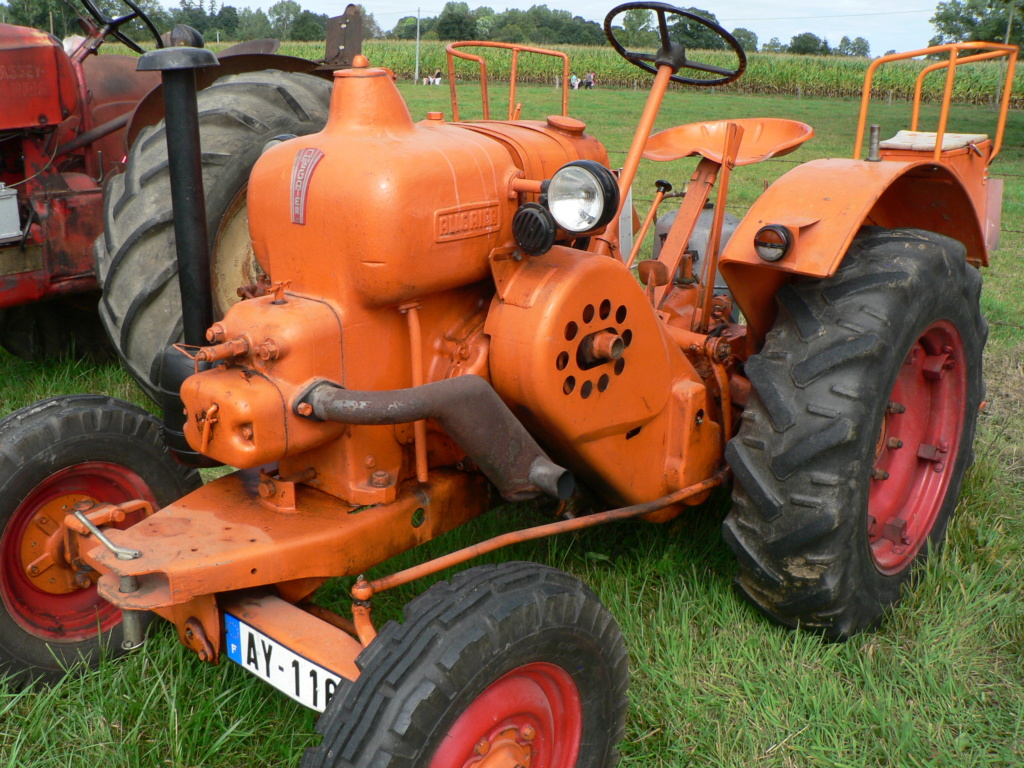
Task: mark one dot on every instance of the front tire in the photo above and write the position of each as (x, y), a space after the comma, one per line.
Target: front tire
(853, 448)
(136, 261)
(517, 660)
(53, 454)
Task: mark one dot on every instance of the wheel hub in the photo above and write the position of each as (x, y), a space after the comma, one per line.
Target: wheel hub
(917, 448)
(43, 550)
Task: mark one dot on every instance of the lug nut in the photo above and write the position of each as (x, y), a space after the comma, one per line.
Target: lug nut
(528, 733)
(482, 747)
(896, 407)
(82, 580)
(895, 443)
(879, 474)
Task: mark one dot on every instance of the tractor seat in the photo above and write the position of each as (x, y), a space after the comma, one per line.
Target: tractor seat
(763, 137)
(924, 141)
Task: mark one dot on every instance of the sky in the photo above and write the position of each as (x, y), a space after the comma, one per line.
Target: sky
(900, 25)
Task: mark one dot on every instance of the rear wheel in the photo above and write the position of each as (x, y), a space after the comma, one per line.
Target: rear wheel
(851, 454)
(516, 664)
(135, 258)
(52, 455)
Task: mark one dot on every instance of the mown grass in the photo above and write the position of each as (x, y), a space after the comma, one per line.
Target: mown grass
(713, 683)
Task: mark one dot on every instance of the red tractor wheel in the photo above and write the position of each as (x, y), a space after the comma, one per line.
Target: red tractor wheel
(516, 664)
(53, 455)
(854, 446)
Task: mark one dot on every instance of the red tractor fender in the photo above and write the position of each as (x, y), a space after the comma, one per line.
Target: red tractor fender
(150, 109)
(824, 203)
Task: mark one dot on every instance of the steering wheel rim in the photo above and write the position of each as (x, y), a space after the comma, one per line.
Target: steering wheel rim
(114, 24)
(672, 53)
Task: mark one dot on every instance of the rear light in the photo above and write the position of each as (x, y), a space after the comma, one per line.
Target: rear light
(772, 242)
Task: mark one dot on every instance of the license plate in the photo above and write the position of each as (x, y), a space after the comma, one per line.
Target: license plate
(296, 676)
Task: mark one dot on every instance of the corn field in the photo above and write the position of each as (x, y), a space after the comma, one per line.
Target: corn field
(767, 73)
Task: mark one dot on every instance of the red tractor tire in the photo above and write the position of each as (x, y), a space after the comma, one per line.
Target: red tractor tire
(136, 261)
(53, 454)
(853, 448)
(517, 659)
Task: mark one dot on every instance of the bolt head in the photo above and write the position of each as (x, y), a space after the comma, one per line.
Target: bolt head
(305, 409)
(528, 733)
(380, 479)
(482, 747)
(82, 580)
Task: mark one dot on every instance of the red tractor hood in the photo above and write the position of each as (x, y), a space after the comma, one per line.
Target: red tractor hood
(37, 82)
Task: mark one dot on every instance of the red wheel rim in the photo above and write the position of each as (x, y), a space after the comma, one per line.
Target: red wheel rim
(917, 449)
(531, 716)
(42, 606)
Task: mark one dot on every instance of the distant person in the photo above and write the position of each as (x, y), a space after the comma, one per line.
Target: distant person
(588, 81)
(437, 76)
(574, 82)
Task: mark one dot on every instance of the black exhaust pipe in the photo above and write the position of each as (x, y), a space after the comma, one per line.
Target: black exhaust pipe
(191, 237)
(470, 412)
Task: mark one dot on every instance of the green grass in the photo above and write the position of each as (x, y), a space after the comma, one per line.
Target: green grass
(713, 683)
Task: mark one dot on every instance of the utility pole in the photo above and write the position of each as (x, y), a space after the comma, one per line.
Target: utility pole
(1006, 62)
(416, 76)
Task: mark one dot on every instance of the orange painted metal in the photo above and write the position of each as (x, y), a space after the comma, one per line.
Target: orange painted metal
(224, 537)
(827, 202)
(992, 50)
(303, 632)
(762, 139)
(363, 590)
(453, 52)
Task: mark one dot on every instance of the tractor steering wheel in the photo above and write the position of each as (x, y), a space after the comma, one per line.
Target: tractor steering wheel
(112, 24)
(671, 53)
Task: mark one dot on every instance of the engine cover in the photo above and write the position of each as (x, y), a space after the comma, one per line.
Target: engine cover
(38, 87)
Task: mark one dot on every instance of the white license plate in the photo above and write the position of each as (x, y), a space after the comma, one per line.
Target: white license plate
(296, 676)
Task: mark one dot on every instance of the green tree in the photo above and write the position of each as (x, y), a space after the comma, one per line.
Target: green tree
(371, 29)
(282, 15)
(958, 20)
(253, 25)
(638, 31)
(227, 22)
(774, 46)
(808, 43)
(48, 15)
(309, 26)
(692, 34)
(746, 39)
(455, 22)
(856, 47)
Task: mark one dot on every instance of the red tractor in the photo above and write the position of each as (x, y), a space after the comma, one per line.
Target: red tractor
(70, 124)
(396, 374)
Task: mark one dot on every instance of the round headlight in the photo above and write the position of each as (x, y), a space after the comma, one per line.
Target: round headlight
(582, 196)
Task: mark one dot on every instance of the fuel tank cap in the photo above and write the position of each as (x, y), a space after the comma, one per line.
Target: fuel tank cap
(566, 124)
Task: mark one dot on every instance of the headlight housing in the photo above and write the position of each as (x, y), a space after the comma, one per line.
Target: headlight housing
(582, 196)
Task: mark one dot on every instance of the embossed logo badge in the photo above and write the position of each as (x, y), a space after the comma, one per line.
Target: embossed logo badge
(466, 221)
(306, 161)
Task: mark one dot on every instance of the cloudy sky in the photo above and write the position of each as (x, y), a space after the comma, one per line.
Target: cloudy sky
(886, 24)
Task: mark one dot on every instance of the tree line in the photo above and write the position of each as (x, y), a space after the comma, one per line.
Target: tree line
(287, 20)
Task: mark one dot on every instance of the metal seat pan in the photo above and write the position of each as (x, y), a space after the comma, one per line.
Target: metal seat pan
(763, 138)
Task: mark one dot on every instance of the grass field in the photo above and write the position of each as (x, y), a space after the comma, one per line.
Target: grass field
(713, 683)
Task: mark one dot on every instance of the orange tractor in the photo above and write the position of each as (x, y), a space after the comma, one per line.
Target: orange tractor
(448, 318)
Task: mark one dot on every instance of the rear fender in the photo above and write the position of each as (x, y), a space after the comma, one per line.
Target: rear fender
(825, 203)
(150, 110)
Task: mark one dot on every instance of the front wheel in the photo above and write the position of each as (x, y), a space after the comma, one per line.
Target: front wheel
(52, 455)
(516, 664)
(851, 454)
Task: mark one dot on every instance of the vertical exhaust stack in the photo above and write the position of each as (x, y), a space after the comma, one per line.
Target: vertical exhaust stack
(177, 66)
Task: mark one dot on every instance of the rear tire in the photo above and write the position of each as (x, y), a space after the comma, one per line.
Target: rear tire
(838, 495)
(47, 330)
(516, 658)
(135, 258)
(53, 454)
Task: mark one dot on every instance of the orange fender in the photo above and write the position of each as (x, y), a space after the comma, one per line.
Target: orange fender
(824, 203)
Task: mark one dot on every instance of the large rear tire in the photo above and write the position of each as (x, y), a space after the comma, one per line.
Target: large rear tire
(135, 258)
(853, 448)
(516, 663)
(53, 454)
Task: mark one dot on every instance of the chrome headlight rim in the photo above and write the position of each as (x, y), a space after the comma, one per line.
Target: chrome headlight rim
(607, 188)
